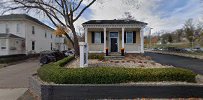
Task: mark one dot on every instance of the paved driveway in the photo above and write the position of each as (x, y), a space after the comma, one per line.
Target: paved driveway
(16, 76)
(183, 62)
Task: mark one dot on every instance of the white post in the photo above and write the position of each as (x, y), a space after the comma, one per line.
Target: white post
(122, 37)
(86, 31)
(142, 39)
(104, 40)
(83, 54)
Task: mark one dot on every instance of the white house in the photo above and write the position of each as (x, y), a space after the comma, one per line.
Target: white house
(22, 34)
(114, 35)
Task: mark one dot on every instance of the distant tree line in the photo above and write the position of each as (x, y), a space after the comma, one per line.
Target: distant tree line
(190, 32)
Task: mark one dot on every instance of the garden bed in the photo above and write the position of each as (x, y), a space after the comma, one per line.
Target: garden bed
(55, 73)
(129, 61)
(53, 81)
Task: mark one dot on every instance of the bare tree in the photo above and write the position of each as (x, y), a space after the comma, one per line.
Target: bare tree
(60, 12)
(127, 16)
(189, 30)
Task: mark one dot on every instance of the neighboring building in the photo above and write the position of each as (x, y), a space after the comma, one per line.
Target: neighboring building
(114, 35)
(22, 34)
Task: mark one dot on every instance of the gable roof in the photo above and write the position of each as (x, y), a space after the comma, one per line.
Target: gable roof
(23, 16)
(3, 35)
(114, 22)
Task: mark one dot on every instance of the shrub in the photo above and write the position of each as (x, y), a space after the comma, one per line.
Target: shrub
(96, 56)
(111, 75)
(12, 58)
(64, 61)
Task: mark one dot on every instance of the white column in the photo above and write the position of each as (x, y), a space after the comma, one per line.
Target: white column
(123, 37)
(104, 40)
(142, 40)
(86, 31)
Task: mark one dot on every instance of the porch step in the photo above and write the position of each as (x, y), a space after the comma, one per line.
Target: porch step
(115, 54)
(114, 57)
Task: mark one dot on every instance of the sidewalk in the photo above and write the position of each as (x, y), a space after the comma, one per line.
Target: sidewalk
(12, 94)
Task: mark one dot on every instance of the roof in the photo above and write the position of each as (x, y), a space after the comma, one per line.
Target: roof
(3, 35)
(22, 16)
(114, 22)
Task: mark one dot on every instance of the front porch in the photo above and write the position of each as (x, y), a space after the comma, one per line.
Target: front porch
(114, 37)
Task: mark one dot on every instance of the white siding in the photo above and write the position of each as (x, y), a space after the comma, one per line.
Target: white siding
(42, 43)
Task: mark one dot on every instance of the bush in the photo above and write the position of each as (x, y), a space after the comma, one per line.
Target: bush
(96, 56)
(12, 58)
(50, 72)
(64, 61)
(111, 75)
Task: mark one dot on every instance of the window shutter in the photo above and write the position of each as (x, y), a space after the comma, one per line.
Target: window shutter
(124, 37)
(134, 37)
(93, 37)
(102, 37)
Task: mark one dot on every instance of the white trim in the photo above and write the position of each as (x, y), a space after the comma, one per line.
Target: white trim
(113, 37)
(86, 31)
(123, 35)
(142, 40)
(113, 25)
(95, 51)
(104, 40)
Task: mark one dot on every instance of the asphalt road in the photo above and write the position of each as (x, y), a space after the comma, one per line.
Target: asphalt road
(16, 76)
(196, 65)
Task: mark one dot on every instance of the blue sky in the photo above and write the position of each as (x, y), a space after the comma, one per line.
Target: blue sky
(159, 14)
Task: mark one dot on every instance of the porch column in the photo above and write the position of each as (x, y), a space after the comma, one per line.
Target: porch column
(142, 40)
(123, 37)
(86, 31)
(104, 39)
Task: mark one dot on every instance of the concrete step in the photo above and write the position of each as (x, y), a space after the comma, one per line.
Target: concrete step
(114, 57)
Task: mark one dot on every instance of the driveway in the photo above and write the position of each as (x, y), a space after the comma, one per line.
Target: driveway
(195, 65)
(16, 76)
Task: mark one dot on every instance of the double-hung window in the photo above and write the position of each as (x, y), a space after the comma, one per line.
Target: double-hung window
(18, 28)
(33, 30)
(97, 37)
(33, 45)
(129, 37)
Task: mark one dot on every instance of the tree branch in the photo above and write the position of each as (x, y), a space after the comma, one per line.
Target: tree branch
(84, 10)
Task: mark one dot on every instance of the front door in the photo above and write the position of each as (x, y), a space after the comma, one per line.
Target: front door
(114, 45)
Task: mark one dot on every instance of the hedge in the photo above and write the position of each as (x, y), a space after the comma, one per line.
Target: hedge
(96, 56)
(110, 75)
(12, 58)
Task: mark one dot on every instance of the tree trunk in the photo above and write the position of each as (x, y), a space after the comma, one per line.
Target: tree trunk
(76, 44)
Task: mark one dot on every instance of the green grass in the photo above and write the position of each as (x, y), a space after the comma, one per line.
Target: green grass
(110, 75)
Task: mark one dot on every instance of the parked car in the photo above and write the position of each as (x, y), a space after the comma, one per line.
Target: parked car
(50, 56)
(68, 52)
(47, 57)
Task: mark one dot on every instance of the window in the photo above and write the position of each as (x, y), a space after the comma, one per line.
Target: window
(51, 46)
(3, 44)
(33, 30)
(129, 37)
(45, 35)
(33, 45)
(97, 37)
(113, 34)
(51, 36)
(18, 28)
(7, 28)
